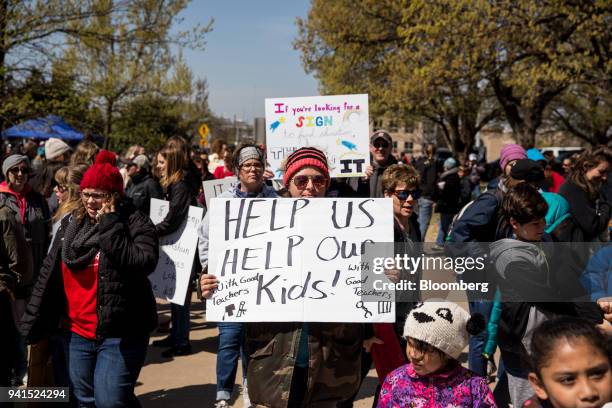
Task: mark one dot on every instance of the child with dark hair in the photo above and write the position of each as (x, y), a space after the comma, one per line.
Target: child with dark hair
(530, 284)
(437, 333)
(570, 365)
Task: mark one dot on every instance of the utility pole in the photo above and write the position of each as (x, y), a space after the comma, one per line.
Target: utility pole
(235, 130)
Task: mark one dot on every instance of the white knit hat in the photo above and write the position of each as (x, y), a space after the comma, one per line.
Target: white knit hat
(55, 147)
(443, 325)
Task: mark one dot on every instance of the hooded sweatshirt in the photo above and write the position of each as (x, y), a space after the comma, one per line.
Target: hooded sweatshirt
(20, 198)
(31, 211)
(534, 287)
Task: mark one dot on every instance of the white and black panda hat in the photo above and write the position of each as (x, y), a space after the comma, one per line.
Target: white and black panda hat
(443, 325)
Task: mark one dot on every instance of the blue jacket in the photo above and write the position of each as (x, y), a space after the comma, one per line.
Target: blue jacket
(597, 277)
(477, 224)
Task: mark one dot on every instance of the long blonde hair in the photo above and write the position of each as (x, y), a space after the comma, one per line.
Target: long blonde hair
(176, 164)
(85, 153)
(73, 203)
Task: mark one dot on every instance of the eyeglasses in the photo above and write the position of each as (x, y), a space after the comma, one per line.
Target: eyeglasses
(404, 194)
(61, 188)
(23, 170)
(301, 182)
(95, 196)
(256, 167)
(380, 144)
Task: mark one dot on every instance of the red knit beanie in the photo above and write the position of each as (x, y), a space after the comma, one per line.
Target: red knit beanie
(104, 156)
(104, 177)
(306, 156)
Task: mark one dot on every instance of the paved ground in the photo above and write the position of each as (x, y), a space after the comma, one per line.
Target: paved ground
(190, 381)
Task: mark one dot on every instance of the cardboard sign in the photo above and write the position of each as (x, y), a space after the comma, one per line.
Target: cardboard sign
(214, 188)
(337, 125)
(285, 259)
(176, 254)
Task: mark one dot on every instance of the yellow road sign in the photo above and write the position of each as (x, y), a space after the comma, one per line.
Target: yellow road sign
(203, 131)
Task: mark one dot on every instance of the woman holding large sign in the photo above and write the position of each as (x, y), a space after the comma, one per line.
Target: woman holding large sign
(180, 186)
(248, 163)
(294, 363)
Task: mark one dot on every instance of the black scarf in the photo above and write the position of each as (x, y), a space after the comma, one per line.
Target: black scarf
(80, 244)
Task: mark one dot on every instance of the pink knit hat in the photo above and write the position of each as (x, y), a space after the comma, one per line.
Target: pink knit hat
(511, 152)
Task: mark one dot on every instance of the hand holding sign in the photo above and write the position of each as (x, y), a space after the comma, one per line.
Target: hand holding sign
(208, 284)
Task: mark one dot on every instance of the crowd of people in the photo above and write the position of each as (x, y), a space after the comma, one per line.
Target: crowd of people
(78, 246)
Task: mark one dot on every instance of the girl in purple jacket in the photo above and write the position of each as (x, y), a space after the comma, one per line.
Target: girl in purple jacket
(437, 333)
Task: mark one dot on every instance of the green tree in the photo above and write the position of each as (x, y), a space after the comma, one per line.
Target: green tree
(585, 112)
(32, 35)
(458, 63)
(399, 56)
(38, 96)
(537, 50)
(147, 120)
(150, 119)
(127, 53)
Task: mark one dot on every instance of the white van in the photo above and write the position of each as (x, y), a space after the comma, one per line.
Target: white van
(562, 152)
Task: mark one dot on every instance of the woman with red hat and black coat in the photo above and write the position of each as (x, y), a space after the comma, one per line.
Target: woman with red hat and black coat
(94, 287)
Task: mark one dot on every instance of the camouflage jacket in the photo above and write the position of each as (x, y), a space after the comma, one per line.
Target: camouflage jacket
(334, 364)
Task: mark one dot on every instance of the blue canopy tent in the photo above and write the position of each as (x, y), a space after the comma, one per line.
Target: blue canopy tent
(42, 129)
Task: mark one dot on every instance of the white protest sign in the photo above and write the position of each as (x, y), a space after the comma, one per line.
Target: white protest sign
(284, 259)
(336, 124)
(176, 254)
(214, 188)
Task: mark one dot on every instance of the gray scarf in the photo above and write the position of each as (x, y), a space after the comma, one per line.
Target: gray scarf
(80, 244)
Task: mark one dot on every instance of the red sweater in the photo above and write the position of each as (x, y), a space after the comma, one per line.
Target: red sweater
(557, 180)
(222, 172)
(81, 289)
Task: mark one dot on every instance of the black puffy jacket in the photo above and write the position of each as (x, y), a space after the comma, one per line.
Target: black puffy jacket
(129, 252)
(142, 189)
(180, 196)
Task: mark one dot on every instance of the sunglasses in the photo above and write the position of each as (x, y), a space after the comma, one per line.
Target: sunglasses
(404, 194)
(380, 144)
(95, 196)
(301, 182)
(23, 170)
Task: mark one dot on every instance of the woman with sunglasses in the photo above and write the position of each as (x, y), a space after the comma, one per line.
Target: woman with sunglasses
(301, 364)
(400, 183)
(30, 208)
(32, 216)
(94, 287)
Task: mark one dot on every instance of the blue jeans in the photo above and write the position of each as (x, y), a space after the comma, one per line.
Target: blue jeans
(104, 373)
(445, 222)
(179, 333)
(476, 361)
(231, 346)
(425, 211)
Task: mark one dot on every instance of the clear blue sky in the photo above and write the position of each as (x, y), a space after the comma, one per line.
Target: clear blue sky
(249, 56)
